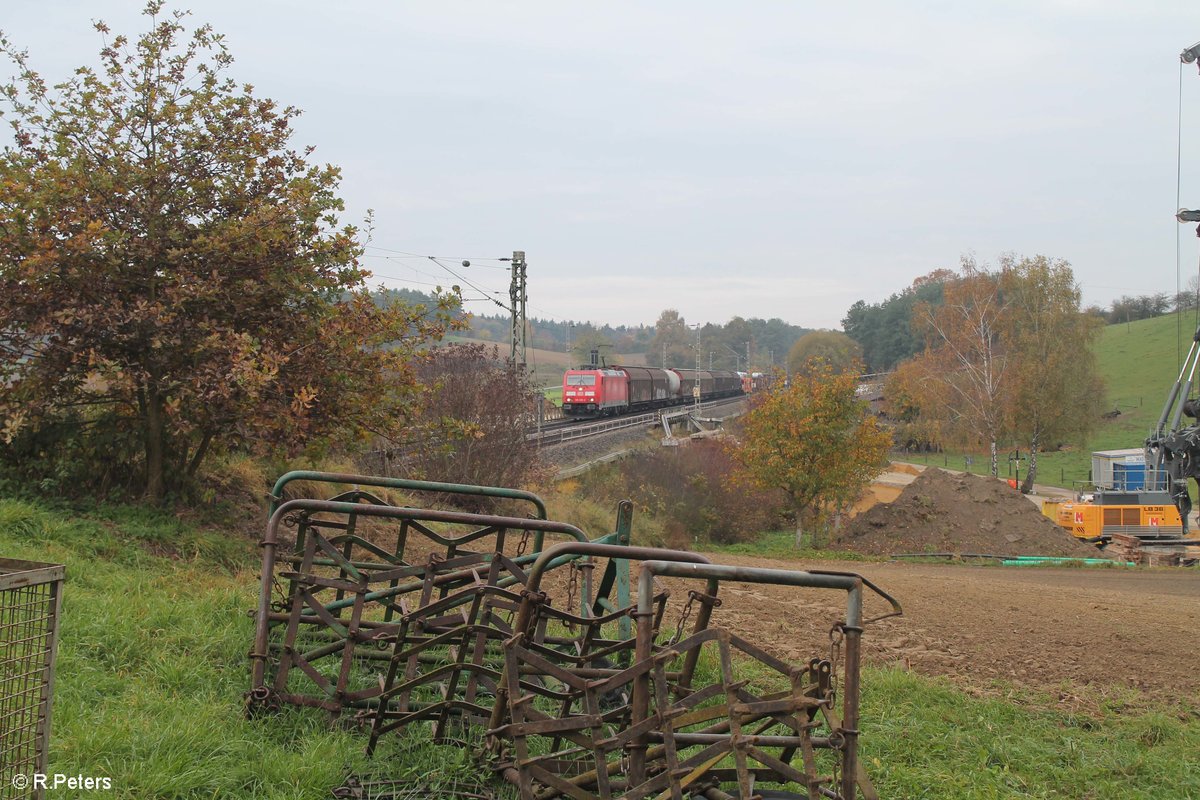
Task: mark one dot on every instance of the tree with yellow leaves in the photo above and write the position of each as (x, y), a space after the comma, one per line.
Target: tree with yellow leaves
(816, 441)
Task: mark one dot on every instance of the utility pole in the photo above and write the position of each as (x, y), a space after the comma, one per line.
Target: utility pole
(517, 294)
(696, 387)
(737, 358)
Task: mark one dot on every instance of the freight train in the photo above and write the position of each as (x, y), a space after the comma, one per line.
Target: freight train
(607, 391)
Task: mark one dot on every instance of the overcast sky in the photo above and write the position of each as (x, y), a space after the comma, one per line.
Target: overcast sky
(769, 159)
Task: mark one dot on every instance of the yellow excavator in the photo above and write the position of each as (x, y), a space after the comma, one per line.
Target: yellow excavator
(1147, 495)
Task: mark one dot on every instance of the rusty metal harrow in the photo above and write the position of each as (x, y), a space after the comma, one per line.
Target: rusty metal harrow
(470, 623)
(708, 714)
(364, 576)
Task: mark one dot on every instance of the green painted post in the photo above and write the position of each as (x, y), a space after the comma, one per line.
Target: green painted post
(625, 537)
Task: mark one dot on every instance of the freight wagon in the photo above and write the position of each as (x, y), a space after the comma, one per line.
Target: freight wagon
(605, 391)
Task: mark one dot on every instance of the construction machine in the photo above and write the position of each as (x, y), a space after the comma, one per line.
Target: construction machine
(1147, 496)
(1153, 507)
(1173, 452)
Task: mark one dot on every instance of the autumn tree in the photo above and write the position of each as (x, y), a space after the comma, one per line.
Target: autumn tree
(911, 406)
(964, 365)
(1054, 393)
(174, 279)
(815, 441)
(673, 344)
(474, 420)
(586, 339)
(834, 348)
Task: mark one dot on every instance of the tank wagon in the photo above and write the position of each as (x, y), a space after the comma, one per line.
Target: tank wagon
(605, 391)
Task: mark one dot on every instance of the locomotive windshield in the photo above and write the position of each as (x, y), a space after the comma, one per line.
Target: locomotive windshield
(581, 380)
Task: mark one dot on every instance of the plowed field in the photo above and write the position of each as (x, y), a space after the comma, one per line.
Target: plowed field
(1079, 634)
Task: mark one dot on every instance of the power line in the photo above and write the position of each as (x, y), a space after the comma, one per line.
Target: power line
(405, 254)
(415, 271)
(408, 280)
(472, 259)
(484, 292)
(1178, 202)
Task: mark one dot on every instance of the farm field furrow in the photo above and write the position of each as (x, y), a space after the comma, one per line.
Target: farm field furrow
(1079, 635)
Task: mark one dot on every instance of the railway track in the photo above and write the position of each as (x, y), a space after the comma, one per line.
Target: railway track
(566, 430)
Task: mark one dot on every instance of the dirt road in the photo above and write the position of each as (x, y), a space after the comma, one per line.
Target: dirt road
(1079, 634)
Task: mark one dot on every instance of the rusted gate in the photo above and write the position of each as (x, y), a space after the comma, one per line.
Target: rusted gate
(363, 575)
(698, 713)
(470, 623)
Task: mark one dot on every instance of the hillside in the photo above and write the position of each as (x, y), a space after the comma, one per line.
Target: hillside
(1138, 362)
(548, 366)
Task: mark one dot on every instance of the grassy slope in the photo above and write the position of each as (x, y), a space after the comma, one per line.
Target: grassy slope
(1138, 361)
(548, 366)
(153, 664)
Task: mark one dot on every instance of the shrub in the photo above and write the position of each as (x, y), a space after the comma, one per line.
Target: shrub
(687, 491)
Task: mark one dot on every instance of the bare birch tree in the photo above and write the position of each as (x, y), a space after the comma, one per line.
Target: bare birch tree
(964, 366)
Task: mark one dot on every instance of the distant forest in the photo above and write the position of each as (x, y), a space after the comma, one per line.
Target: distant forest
(738, 342)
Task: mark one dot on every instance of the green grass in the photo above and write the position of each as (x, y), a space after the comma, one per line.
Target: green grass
(782, 545)
(153, 665)
(924, 738)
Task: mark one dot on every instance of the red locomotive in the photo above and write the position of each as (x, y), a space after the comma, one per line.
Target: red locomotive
(605, 391)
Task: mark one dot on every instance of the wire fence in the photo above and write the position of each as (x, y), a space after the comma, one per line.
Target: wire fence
(30, 599)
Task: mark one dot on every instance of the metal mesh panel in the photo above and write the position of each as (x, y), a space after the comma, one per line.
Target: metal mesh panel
(30, 595)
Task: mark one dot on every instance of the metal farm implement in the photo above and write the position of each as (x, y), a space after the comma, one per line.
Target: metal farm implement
(364, 575)
(396, 615)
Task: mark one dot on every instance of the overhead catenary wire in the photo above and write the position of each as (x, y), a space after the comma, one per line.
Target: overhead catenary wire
(484, 292)
(472, 259)
(400, 256)
(1178, 204)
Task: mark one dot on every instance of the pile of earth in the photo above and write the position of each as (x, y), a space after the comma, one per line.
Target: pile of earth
(941, 512)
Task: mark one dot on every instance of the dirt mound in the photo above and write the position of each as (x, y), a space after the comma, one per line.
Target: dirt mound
(940, 512)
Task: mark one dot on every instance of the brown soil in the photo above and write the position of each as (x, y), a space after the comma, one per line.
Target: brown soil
(878, 492)
(941, 512)
(1077, 636)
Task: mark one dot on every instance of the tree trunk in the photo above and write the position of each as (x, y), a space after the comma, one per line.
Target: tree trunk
(995, 459)
(799, 528)
(155, 445)
(1031, 475)
(201, 451)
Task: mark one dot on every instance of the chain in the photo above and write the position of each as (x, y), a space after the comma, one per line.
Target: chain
(281, 604)
(523, 543)
(837, 635)
(683, 618)
(572, 588)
